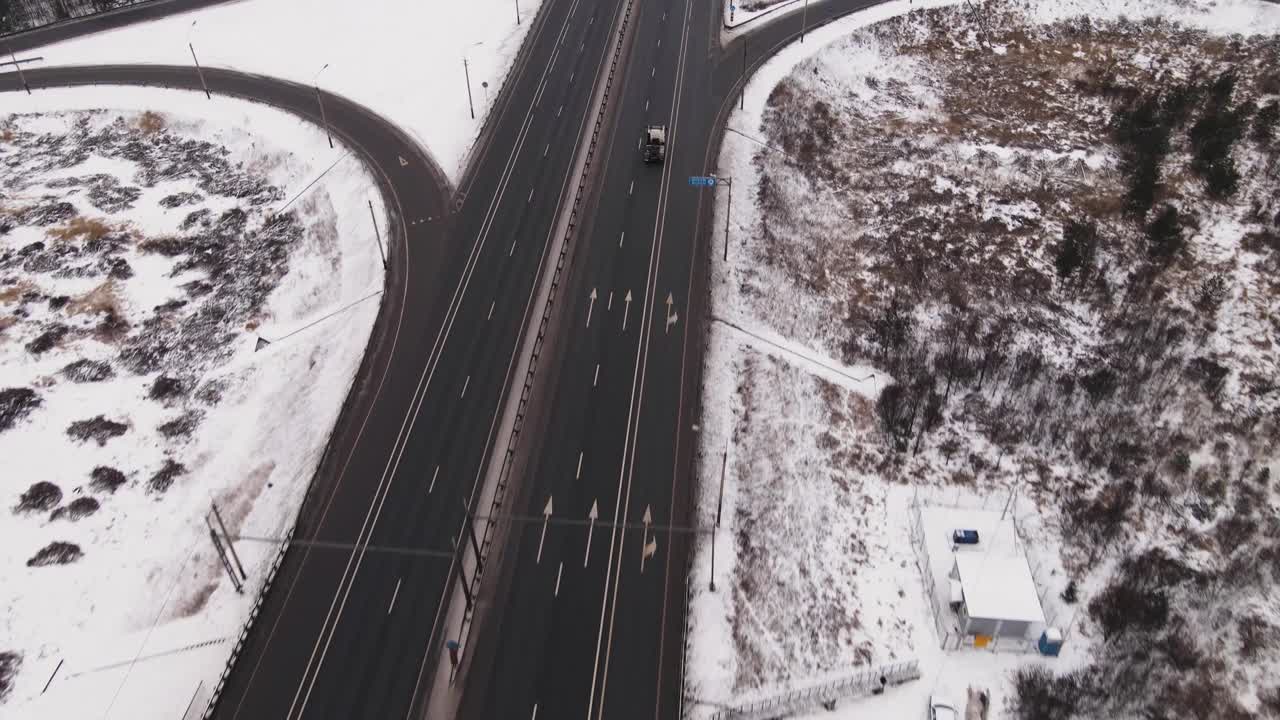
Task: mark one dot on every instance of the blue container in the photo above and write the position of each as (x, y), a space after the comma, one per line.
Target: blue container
(964, 537)
(1050, 642)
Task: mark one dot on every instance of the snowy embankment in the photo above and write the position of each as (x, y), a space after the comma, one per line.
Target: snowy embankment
(948, 220)
(403, 59)
(145, 248)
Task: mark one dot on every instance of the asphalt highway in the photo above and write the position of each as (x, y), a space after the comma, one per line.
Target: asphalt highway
(597, 632)
(582, 621)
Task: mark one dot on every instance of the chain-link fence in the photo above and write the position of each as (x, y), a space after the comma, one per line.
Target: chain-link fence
(863, 682)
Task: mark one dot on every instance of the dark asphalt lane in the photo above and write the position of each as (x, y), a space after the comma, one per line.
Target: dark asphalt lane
(326, 642)
(606, 641)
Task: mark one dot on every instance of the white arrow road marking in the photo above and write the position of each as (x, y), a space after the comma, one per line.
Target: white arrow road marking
(546, 517)
(592, 306)
(558, 574)
(403, 162)
(671, 319)
(627, 311)
(433, 480)
(393, 596)
(644, 555)
(593, 515)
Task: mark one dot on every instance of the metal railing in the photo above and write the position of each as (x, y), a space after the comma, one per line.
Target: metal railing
(864, 682)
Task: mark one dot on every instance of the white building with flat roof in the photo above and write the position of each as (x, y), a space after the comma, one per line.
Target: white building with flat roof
(993, 594)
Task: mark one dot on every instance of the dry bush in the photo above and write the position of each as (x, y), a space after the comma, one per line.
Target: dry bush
(107, 479)
(7, 322)
(98, 429)
(78, 509)
(101, 300)
(165, 476)
(9, 663)
(39, 497)
(15, 291)
(81, 228)
(151, 122)
(15, 404)
(56, 553)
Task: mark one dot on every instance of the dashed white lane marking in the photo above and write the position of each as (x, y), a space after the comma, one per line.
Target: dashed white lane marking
(596, 380)
(393, 596)
(577, 475)
(491, 306)
(432, 486)
(558, 574)
(621, 238)
(464, 386)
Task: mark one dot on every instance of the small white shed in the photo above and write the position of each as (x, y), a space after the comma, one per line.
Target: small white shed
(998, 595)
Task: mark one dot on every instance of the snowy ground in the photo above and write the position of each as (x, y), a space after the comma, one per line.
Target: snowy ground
(401, 58)
(739, 12)
(924, 171)
(143, 252)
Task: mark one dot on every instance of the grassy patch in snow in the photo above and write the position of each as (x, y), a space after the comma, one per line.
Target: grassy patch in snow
(1061, 240)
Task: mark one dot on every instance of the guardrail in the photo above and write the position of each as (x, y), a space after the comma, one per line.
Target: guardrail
(248, 624)
(862, 683)
(508, 461)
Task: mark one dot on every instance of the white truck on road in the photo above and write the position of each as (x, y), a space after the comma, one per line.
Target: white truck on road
(655, 143)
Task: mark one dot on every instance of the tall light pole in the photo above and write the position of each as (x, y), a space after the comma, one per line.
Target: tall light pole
(466, 71)
(517, 11)
(742, 102)
(804, 20)
(21, 75)
(315, 82)
(199, 70)
(728, 182)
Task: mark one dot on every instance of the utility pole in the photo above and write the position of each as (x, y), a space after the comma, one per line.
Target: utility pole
(467, 72)
(21, 75)
(742, 102)
(377, 235)
(199, 70)
(728, 211)
(517, 12)
(804, 20)
(230, 545)
(315, 82)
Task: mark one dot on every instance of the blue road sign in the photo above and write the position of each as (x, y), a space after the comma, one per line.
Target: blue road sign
(702, 181)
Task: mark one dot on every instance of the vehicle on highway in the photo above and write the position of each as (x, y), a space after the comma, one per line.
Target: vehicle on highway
(655, 143)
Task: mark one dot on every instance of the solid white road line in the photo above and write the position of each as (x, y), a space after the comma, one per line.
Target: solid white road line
(558, 574)
(393, 596)
(465, 383)
(433, 480)
(611, 599)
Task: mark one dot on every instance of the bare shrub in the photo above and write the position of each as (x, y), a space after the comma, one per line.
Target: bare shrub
(107, 479)
(16, 404)
(81, 227)
(151, 122)
(88, 371)
(1255, 634)
(1038, 694)
(45, 341)
(99, 429)
(56, 553)
(10, 661)
(101, 300)
(181, 426)
(166, 387)
(164, 477)
(39, 497)
(78, 509)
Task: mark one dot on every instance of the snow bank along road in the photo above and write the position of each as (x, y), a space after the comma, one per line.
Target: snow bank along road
(585, 621)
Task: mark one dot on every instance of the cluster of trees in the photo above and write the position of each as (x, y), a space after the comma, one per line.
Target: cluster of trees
(18, 15)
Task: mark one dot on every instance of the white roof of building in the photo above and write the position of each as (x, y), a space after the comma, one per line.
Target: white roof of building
(998, 587)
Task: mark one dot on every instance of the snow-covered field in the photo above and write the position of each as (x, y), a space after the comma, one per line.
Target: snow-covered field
(145, 247)
(950, 282)
(401, 58)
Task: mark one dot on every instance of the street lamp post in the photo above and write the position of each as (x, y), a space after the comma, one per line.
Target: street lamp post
(21, 75)
(804, 20)
(466, 71)
(742, 102)
(324, 120)
(728, 182)
(517, 12)
(199, 70)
